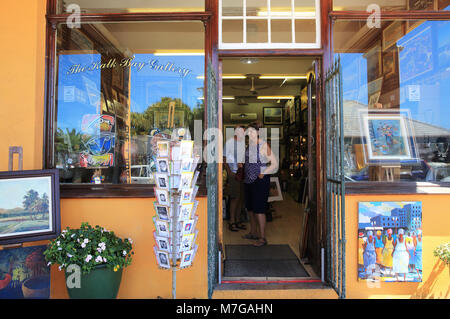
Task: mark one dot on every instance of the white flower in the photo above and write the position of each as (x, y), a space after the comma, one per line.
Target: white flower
(59, 248)
(104, 259)
(58, 243)
(83, 245)
(102, 246)
(69, 255)
(85, 240)
(88, 258)
(60, 267)
(49, 263)
(78, 239)
(73, 236)
(99, 250)
(130, 240)
(124, 252)
(99, 259)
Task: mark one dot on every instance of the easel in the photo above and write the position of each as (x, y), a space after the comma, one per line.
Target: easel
(387, 173)
(14, 150)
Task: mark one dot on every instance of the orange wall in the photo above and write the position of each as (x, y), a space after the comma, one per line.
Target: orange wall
(436, 230)
(22, 76)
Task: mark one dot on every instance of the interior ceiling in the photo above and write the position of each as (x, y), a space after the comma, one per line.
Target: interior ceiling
(264, 66)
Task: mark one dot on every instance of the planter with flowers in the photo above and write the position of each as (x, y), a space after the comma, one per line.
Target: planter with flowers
(94, 254)
(443, 253)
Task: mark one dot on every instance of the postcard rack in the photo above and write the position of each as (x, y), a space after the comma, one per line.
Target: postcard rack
(175, 206)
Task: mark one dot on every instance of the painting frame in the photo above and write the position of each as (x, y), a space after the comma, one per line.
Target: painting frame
(389, 63)
(272, 119)
(381, 223)
(374, 61)
(54, 216)
(403, 146)
(392, 33)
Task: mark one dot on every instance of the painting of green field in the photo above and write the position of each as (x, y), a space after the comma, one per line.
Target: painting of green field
(25, 206)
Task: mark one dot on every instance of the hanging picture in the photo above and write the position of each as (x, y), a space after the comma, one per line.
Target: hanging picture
(373, 57)
(388, 136)
(24, 273)
(29, 206)
(390, 241)
(393, 33)
(186, 258)
(186, 211)
(163, 148)
(273, 115)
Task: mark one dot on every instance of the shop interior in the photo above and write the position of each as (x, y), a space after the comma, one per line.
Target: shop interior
(273, 91)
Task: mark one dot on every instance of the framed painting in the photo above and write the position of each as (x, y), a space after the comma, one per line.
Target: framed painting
(373, 57)
(29, 206)
(24, 273)
(392, 33)
(273, 115)
(381, 226)
(387, 136)
(389, 65)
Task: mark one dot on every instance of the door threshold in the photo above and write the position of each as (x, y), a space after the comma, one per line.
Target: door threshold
(266, 280)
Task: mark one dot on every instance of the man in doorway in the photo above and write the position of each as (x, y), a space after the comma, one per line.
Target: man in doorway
(234, 154)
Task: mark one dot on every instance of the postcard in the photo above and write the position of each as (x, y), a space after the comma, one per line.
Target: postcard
(186, 258)
(162, 180)
(163, 148)
(187, 227)
(162, 228)
(186, 180)
(175, 153)
(162, 165)
(162, 257)
(163, 212)
(186, 165)
(163, 243)
(186, 149)
(186, 196)
(186, 211)
(162, 196)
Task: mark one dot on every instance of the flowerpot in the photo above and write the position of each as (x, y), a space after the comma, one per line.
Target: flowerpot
(36, 287)
(100, 283)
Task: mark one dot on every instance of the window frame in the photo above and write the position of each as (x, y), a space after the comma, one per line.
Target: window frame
(384, 187)
(69, 190)
(269, 45)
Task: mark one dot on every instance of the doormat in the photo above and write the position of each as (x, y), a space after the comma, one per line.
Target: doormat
(265, 261)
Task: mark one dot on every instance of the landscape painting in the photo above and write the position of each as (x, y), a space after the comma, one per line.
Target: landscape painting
(24, 273)
(390, 241)
(25, 206)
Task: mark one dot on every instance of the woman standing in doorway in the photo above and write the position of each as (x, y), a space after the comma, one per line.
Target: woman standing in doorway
(257, 182)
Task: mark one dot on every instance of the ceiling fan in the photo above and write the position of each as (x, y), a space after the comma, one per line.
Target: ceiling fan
(252, 89)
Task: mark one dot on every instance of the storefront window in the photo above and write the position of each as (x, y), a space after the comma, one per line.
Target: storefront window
(121, 86)
(392, 5)
(396, 84)
(131, 6)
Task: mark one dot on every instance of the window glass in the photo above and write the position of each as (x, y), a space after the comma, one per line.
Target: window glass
(396, 84)
(121, 86)
(262, 24)
(392, 5)
(131, 6)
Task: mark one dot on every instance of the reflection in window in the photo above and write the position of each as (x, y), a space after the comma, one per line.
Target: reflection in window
(119, 92)
(396, 90)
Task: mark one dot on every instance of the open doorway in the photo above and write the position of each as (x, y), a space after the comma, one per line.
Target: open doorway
(279, 94)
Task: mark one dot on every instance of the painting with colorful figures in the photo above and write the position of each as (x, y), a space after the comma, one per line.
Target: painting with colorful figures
(390, 241)
(24, 273)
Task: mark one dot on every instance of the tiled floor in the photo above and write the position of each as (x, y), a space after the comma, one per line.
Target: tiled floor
(285, 228)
